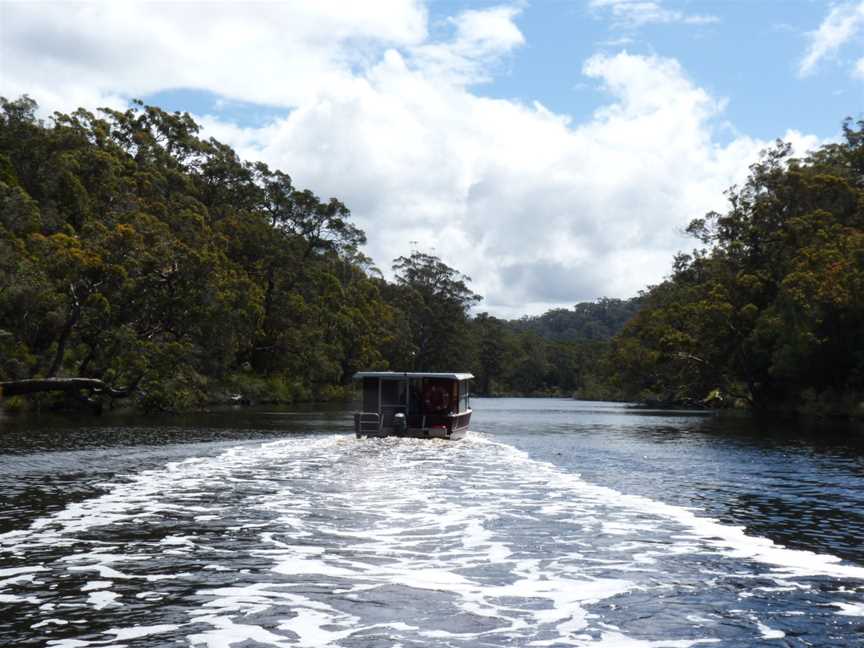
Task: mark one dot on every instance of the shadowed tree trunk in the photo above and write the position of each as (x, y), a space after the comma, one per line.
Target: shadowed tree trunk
(36, 385)
(71, 321)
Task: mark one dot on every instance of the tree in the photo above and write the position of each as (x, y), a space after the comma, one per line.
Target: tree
(436, 302)
(496, 350)
(767, 309)
(132, 252)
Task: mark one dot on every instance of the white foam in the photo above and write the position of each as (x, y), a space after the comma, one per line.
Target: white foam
(226, 633)
(13, 571)
(16, 580)
(770, 633)
(732, 541)
(140, 499)
(850, 609)
(124, 634)
(309, 626)
(47, 622)
(104, 571)
(151, 578)
(11, 598)
(102, 599)
(479, 528)
(150, 596)
(185, 541)
(617, 640)
(766, 632)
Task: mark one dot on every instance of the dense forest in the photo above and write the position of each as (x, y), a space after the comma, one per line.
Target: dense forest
(140, 260)
(769, 309)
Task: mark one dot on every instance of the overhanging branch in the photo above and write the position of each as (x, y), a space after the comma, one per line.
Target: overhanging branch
(37, 385)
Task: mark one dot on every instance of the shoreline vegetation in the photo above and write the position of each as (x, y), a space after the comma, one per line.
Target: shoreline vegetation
(142, 264)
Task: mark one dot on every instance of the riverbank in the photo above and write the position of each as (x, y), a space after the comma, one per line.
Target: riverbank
(246, 389)
(177, 397)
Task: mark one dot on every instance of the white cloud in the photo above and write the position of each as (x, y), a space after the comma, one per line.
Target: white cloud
(840, 26)
(635, 13)
(539, 210)
(859, 69)
(482, 38)
(268, 52)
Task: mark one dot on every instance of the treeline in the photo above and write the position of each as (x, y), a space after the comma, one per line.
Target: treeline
(139, 256)
(135, 252)
(766, 312)
(586, 322)
(560, 353)
(769, 310)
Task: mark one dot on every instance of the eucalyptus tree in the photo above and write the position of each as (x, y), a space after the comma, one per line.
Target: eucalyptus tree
(134, 252)
(772, 307)
(435, 301)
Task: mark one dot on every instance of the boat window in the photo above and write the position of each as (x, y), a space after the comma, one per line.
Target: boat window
(370, 394)
(439, 396)
(415, 400)
(464, 396)
(393, 392)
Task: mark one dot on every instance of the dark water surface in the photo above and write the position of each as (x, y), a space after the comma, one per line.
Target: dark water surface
(554, 523)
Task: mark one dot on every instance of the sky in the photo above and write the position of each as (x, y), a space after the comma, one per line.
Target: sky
(552, 150)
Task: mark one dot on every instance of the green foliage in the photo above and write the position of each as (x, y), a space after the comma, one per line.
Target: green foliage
(14, 404)
(771, 310)
(588, 321)
(435, 301)
(133, 251)
(528, 357)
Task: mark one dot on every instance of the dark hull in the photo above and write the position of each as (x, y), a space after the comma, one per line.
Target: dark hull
(451, 427)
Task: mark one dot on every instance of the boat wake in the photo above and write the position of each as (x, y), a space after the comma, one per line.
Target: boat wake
(330, 541)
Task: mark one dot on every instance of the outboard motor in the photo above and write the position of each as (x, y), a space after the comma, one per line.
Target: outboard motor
(400, 424)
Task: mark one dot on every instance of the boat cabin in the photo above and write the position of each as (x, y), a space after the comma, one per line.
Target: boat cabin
(414, 404)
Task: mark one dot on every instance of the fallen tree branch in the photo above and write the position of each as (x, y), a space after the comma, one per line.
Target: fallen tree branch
(36, 385)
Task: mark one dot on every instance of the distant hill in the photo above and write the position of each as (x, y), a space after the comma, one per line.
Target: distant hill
(586, 322)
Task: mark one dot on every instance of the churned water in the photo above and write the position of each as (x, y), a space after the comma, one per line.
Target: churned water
(554, 523)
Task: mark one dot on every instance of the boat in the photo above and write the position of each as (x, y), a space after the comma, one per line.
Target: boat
(422, 405)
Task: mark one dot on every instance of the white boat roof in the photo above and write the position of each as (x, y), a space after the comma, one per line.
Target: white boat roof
(412, 374)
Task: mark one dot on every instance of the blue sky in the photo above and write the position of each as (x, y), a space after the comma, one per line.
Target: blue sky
(554, 150)
(749, 55)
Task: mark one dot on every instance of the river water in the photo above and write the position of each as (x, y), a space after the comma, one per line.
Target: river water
(554, 523)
